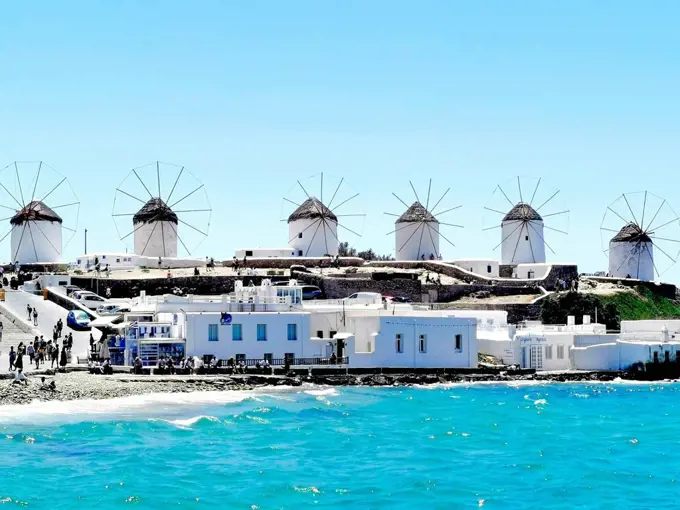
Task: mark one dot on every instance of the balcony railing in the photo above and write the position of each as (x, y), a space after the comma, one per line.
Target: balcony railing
(279, 362)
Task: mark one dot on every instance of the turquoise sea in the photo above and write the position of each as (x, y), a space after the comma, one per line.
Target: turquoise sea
(570, 446)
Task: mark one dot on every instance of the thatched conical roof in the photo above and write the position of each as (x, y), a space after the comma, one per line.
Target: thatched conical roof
(416, 214)
(155, 210)
(310, 209)
(522, 212)
(631, 233)
(35, 211)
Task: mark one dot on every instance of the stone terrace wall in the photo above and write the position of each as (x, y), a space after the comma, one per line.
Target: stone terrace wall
(566, 272)
(200, 285)
(452, 292)
(285, 263)
(338, 288)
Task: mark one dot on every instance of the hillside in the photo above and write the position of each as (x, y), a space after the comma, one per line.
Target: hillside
(633, 304)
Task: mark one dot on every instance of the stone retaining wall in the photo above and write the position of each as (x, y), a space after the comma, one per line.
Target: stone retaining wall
(286, 263)
(666, 290)
(338, 288)
(447, 293)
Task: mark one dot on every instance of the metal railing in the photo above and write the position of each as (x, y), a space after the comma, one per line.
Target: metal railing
(279, 362)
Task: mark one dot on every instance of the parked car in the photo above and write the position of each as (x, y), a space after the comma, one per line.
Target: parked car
(311, 292)
(112, 309)
(70, 289)
(89, 299)
(397, 299)
(77, 319)
(364, 298)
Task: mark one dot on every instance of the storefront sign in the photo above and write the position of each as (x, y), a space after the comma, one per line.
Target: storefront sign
(225, 320)
(531, 339)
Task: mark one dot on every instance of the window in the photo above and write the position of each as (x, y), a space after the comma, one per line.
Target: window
(236, 332)
(332, 334)
(399, 345)
(300, 235)
(261, 332)
(268, 356)
(289, 357)
(560, 352)
(656, 357)
(240, 357)
(526, 238)
(319, 334)
(292, 331)
(117, 260)
(459, 343)
(488, 269)
(548, 352)
(422, 346)
(249, 253)
(212, 333)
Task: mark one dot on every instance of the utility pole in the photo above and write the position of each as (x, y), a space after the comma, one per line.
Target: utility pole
(85, 241)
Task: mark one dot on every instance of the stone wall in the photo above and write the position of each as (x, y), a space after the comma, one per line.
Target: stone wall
(447, 293)
(286, 263)
(199, 285)
(517, 312)
(338, 288)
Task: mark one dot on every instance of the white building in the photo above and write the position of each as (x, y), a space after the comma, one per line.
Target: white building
(118, 261)
(265, 253)
(313, 230)
(155, 227)
(36, 234)
(631, 255)
(638, 342)
(522, 240)
(482, 267)
(416, 234)
(272, 322)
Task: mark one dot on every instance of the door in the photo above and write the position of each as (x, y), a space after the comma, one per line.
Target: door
(537, 357)
(341, 348)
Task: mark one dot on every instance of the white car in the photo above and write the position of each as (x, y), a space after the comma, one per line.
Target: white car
(112, 309)
(364, 298)
(89, 299)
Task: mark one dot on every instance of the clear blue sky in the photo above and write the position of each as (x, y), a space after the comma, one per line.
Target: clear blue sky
(253, 95)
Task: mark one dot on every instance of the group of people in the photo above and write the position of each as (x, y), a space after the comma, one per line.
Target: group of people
(100, 368)
(32, 314)
(562, 285)
(39, 352)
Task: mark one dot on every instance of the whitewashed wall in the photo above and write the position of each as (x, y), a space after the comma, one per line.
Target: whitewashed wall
(522, 244)
(411, 245)
(532, 271)
(265, 252)
(316, 241)
(483, 267)
(40, 241)
(628, 259)
(150, 242)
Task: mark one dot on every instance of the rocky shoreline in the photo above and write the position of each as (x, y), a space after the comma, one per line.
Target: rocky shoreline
(80, 385)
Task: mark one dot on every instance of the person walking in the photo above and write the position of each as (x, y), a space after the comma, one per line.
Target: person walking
(12, 357)
(30, 311)
(54, 355)
(35, 317)
(62, 360)
(19, 363)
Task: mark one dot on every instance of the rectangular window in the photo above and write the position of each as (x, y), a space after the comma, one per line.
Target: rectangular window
(261, 332)
(240, 357)
(249, 253)
(236, 332)
(289, 357)
(319, 334)
(292, 331)
(459, 343)
(213, 333)
(488, 269)
(422, 347)
(399, 344)
(560, 352)
(268, 356)
(548, 352)
(300, 235)
(332, 334)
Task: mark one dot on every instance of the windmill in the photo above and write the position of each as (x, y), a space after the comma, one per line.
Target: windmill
(418, 229)
(640, 232)
(523, 225)
(313, 225)
(178, 205)
(36, 230)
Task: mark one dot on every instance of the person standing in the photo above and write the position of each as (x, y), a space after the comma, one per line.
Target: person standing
(12, 357)
(62, 360)
(35, 317)
(19, 363)
(30, 311)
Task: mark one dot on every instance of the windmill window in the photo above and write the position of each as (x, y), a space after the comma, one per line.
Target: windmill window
(300, 235)
(117, 260)
(488, 269)
(249, 253)
(526, 238)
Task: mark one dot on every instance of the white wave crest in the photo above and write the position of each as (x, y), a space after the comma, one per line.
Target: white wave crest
(188, 422)
(327, 392)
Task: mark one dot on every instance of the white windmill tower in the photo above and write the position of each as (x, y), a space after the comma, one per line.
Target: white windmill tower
(633, 248)
(417, 230)
(313, 225)
(36, 229)
(523, 225)
(158, 223)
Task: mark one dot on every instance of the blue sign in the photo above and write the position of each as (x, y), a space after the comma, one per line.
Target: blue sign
(225, 320)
